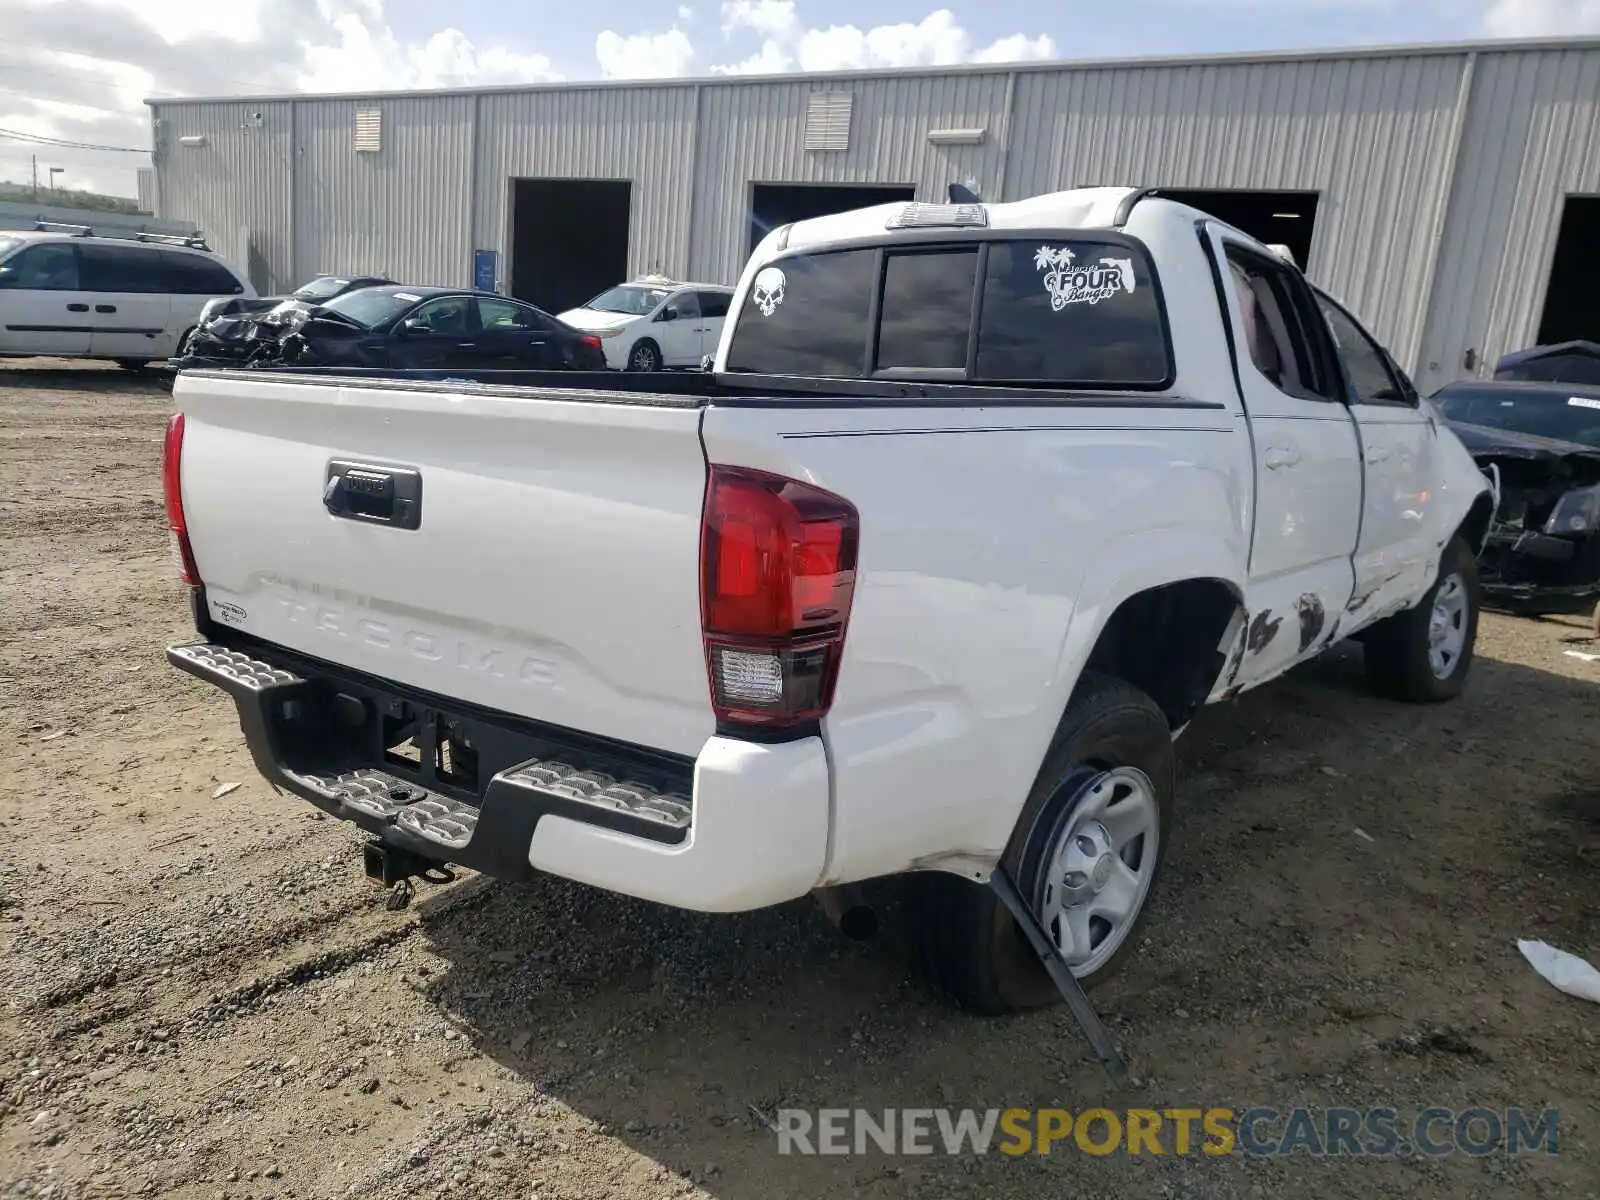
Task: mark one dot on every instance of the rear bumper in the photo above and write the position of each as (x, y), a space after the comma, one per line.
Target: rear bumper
(741, 827)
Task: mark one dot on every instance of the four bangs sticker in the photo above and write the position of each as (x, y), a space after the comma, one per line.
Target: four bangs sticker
(1071, 283)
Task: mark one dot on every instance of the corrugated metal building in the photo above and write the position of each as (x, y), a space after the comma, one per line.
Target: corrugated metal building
(1439, 174)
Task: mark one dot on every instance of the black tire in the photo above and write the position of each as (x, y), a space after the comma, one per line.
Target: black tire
(963, 942)
(1399, 664)
(135, 365)
(645, 356)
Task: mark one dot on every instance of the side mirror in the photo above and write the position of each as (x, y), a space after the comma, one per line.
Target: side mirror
(412, 327)
(668, 314)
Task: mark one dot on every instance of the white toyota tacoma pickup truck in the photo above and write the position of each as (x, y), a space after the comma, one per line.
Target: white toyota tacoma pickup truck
(978, 507)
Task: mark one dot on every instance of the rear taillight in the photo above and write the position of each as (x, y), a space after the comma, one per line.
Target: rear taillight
(172, 485)
(593, 342)
(777, 573)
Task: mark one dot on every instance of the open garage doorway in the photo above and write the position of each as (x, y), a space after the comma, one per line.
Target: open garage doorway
(1572, 300)
(569, 239)
(775, 204)
(1275, 218)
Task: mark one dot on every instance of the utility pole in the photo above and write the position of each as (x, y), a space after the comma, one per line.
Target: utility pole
(35, 158)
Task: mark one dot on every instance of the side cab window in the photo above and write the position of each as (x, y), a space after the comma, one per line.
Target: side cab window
(1285, 336)
(1373, 377)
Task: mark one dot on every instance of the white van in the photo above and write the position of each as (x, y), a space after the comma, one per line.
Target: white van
(655, 322)
(75, 295)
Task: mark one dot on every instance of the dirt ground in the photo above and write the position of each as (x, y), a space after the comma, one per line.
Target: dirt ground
(204, 998)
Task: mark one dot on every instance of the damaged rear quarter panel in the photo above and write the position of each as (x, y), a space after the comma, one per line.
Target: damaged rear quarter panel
(995, 559)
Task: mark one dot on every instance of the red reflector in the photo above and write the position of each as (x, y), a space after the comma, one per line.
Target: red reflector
(172, 486)
(777, 570)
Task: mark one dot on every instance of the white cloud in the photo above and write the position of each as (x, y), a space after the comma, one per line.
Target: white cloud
(773, 19)
(369, 56)
(79, 71)
(1542, 18)
(644, 55)
(934, 41)
(937, 40)
(771, 59)
(1019, 47)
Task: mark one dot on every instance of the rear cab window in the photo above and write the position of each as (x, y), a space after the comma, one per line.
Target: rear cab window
(1081, 310)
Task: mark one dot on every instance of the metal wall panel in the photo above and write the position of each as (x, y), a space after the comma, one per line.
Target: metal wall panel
(1532, 137)
(236, 187)
(644, 134)
(1371, 135)
(404, 210)
(755, 133)
(1440, 173)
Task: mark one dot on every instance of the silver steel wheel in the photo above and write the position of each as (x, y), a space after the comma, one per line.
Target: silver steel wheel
(1447, 626)
(643, 358)
(1099, 870)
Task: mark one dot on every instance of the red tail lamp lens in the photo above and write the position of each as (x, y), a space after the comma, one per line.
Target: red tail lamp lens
(778, 567)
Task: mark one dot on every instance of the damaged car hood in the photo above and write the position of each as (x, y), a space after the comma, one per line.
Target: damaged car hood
(1481, 440)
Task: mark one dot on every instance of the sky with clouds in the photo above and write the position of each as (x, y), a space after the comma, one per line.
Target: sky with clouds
(78, 70)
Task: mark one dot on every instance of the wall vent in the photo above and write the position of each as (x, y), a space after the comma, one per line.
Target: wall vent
(369, 130)
(828, 121)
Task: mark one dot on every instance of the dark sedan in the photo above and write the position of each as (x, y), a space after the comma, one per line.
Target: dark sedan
(1540, 444)
(396, 327)
(225, 314)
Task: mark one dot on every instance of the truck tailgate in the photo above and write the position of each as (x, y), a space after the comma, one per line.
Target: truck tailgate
(553, 573)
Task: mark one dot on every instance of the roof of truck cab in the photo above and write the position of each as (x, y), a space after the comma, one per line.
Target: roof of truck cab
(1078, 208)
(1106, 208)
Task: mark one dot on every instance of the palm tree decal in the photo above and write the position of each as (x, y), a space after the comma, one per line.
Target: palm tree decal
(1049, 256)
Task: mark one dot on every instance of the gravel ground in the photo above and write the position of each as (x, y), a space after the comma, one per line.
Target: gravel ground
(204, 998)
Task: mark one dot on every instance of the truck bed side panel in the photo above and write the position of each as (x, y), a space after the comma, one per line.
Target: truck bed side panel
(995, 543)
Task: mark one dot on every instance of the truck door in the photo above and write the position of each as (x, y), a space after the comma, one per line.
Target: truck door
(1394, 555)
(1308, 461)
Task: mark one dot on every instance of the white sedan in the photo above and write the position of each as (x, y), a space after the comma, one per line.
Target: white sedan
(655, 323)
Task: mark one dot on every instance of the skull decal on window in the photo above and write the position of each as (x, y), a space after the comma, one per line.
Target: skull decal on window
(770, 282)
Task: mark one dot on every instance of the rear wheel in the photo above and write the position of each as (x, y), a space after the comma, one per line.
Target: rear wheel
(1423, 654)
(645, 356)
(1085, 855)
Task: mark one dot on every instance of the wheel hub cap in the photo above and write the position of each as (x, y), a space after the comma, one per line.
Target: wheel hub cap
(1101, 872)
(1447, 626)
(1099, 867)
